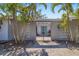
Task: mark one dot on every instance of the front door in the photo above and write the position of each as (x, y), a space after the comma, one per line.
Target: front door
(44, 31)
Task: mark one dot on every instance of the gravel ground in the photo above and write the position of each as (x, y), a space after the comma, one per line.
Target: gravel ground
(39, 48)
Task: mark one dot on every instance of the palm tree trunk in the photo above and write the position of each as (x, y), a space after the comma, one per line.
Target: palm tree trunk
(15, 27)
(69, 28)
(23, 33)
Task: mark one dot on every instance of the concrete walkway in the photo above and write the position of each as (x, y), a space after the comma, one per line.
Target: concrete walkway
(38, 48)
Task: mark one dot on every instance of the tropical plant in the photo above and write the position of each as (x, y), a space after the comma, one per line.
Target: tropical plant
(26, 13)
(76, 14)
(63, 23)
(68, 10)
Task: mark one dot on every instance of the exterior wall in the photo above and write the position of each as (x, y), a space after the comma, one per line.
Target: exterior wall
(56, 33)
(4, 30)
(10, 35)
(30, 31)
(75, 31)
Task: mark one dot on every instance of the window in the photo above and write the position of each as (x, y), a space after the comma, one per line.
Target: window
(44, 30)
(0, 23)
(58, 26)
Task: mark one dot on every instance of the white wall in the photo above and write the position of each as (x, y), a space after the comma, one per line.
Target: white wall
(10, 35)
(4, 30)
(57, 33)
(31, 31)
(5, 33)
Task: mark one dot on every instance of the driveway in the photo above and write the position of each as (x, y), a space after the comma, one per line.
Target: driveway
(39, 48)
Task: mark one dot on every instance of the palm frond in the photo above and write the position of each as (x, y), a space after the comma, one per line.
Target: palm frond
(44, 4)
(54, 5)
(62, 8)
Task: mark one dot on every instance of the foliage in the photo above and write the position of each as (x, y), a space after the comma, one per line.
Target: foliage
(22, 12)
(76, 14)
(68, 9)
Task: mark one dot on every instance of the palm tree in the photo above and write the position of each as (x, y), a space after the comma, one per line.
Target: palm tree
(26, 14)
(31, 14)
(10, 10)
(63, 23)
(68, 9)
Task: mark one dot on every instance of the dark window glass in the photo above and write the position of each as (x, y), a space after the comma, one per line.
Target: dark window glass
(0, 23)
(44, 30)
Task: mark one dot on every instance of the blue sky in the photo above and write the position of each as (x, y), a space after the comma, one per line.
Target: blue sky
(49, 14)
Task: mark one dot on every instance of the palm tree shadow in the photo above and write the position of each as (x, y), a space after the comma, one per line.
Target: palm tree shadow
(13, 49)
(44, 53)
(22, 50)
(60, 44)
(35, 44)
(41, 52)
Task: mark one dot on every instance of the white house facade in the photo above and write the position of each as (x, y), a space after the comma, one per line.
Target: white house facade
(37, 28)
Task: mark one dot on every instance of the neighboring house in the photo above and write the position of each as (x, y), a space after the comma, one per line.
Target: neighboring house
(36, 29)
(5, 30)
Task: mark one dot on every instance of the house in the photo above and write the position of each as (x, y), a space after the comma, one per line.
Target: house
(41, 28)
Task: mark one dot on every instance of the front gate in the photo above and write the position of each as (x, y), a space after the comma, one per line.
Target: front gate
(43, 31)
